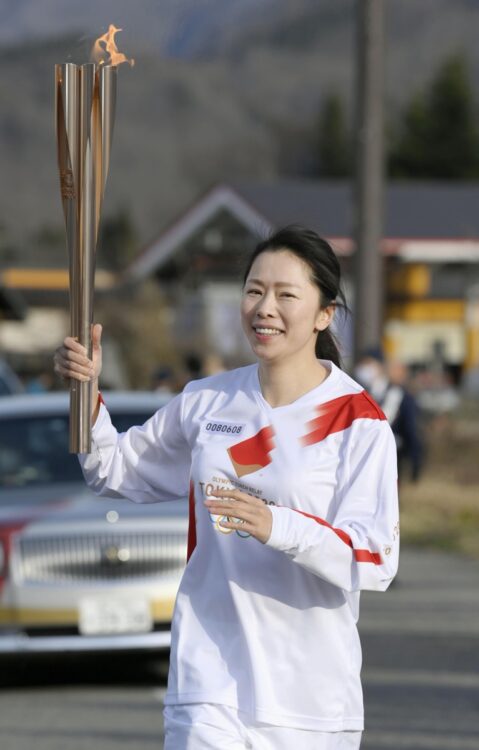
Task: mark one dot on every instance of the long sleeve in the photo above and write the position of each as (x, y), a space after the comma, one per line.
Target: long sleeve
(358, 547)
(146, 464)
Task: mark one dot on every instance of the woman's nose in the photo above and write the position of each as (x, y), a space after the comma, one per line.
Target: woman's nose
(266, 305)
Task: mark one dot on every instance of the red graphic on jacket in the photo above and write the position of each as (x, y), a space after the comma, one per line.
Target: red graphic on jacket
(252, 454)
(339, 414)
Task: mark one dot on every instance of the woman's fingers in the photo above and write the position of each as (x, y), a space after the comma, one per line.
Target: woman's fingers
(78, 362)
(244, 513)
(96, 331)
(71, 360)
(74, 345)
(234, 502)
(72, 356)
(68, 369)
(239, 496)
(251, 512)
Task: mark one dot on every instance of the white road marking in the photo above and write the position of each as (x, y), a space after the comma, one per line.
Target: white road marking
(427, 678)
(404, 740)
(419, 625)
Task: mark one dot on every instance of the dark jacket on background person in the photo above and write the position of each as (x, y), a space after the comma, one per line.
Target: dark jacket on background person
(402, 412)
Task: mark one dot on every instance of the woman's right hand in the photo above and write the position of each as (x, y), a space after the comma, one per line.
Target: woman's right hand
(71, 360)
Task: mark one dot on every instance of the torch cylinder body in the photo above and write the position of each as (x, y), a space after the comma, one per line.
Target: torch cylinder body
(85, 98)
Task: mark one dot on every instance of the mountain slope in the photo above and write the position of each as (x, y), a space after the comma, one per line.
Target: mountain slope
(240, 99)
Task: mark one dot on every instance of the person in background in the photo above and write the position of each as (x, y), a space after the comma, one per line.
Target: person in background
(164, 380)
(41, 383)
(193, 366)
(196, 366)
(213, 364)
(387, 384)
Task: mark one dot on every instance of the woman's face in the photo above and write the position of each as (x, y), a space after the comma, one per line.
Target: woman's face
(280, 308)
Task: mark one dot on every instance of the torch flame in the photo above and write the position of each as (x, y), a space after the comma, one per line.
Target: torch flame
(106, 45)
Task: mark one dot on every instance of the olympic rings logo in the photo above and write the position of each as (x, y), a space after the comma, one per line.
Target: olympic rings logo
(216, 521)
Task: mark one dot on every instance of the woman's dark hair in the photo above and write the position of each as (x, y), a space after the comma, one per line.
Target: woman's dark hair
(325, 273)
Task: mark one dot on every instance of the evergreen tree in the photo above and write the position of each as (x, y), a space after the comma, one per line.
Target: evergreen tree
(8, 253)
(438, 136)
(334, 145)
(117, 241)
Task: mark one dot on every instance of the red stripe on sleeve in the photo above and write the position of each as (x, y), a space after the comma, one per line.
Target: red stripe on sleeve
(360, 555)
(339, 414)
(364, 555)
(191, 524)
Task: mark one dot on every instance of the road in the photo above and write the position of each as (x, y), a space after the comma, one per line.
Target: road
(421, 656)
(421, 676)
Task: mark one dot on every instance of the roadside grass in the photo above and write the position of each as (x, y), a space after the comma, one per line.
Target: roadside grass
(441, 510)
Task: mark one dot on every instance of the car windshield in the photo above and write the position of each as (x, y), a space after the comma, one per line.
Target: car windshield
(34, 450)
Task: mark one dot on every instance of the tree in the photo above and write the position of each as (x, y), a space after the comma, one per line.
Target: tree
(438, 136)
(141, 329)
(8, 252)
(334, 143)
(117, 241)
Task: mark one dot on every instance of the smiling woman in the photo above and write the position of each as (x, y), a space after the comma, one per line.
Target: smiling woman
(293, 511)
(310, 273)
(291, 290)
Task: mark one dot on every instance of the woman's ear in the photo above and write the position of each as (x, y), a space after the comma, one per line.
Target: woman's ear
(324, 318)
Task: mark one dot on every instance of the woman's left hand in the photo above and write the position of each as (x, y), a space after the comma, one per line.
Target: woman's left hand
(254, 514)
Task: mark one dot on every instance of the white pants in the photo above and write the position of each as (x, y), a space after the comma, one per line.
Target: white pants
(209, 726)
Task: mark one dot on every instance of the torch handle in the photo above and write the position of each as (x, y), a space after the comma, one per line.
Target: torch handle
(81, 309)
(80, 417)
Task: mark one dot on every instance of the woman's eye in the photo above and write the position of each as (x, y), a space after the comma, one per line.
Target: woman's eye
(287, 294)
(253, 291)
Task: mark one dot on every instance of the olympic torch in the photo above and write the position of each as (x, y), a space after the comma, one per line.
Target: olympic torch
(85, 98)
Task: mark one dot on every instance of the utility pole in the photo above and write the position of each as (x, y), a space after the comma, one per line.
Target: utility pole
(368, 192)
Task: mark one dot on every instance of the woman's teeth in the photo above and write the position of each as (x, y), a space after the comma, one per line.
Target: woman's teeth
(267, 331)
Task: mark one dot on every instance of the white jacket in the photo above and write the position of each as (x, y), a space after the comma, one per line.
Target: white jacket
(268, 629)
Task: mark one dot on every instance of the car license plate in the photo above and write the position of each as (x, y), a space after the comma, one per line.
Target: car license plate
(109, 616)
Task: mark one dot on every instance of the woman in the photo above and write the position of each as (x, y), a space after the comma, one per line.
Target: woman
(291, 472)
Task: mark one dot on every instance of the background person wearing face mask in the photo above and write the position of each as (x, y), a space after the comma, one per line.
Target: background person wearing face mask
(386, 382)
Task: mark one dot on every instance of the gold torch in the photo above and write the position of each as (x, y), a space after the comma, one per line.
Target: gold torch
(85, 97)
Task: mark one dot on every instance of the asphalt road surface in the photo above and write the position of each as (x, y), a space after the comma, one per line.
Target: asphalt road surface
(421, 676)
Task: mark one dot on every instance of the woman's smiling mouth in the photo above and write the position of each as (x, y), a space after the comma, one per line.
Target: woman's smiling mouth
(266, 332)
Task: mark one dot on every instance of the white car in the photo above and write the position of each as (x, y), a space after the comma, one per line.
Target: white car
(78, 572)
